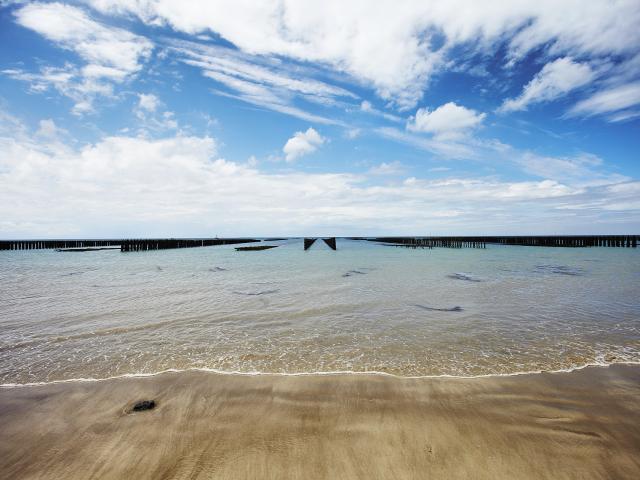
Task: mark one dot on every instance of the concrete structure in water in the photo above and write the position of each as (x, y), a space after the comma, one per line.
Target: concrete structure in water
(331, 242)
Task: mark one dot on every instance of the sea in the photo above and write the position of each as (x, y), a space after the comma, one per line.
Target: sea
(364, 308)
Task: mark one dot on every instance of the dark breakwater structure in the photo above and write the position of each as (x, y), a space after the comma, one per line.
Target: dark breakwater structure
(331, 242)
(574, 241)
(255, 248)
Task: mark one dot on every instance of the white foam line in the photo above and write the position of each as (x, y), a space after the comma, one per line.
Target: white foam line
(310, 374)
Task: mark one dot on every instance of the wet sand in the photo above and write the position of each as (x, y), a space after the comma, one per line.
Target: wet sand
(583, 425)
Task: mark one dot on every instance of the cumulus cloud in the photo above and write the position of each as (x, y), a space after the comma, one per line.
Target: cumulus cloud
(111, 55)
(615, 99)
(556, 79)
(398, 50)
(447, 121)
(178, 185)
(302, 143)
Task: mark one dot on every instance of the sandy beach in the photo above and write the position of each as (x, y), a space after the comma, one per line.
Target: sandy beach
(583, 424)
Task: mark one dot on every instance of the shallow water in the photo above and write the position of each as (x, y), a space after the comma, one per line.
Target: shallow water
(364, 307)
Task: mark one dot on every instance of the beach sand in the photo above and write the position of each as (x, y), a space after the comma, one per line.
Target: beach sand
(583, 425)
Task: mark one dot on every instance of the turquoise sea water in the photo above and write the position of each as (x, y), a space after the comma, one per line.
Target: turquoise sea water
(365, 307)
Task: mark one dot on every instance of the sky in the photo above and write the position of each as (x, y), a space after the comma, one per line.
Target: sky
(177, 118)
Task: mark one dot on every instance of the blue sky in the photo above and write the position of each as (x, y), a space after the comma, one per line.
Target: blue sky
(165, 118)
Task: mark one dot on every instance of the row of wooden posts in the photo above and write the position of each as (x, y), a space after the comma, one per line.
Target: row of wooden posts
(432, 242)
(51, 244)
(136, 245)
(127, 245)
(630, 241)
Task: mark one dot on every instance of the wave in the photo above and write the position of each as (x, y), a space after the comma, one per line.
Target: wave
(317, 373)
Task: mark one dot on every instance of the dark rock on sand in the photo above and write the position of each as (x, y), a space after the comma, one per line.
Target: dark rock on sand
(143, 405)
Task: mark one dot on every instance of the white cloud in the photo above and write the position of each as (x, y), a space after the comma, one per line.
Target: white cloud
(112, 55)
(352, 133)
(151, 118)
(48, 129)
(447, 121)
(582, 169)
(367, 107)
(262, 81)
(101, 72)
(178, 186)
(449, 148)
(148, 102)
(387, 168)
(68, 81)
(258, 70)
(616, 99)
(556, 79)
(397, 50)
(623, 116)
(302, 143)
(102, 47)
